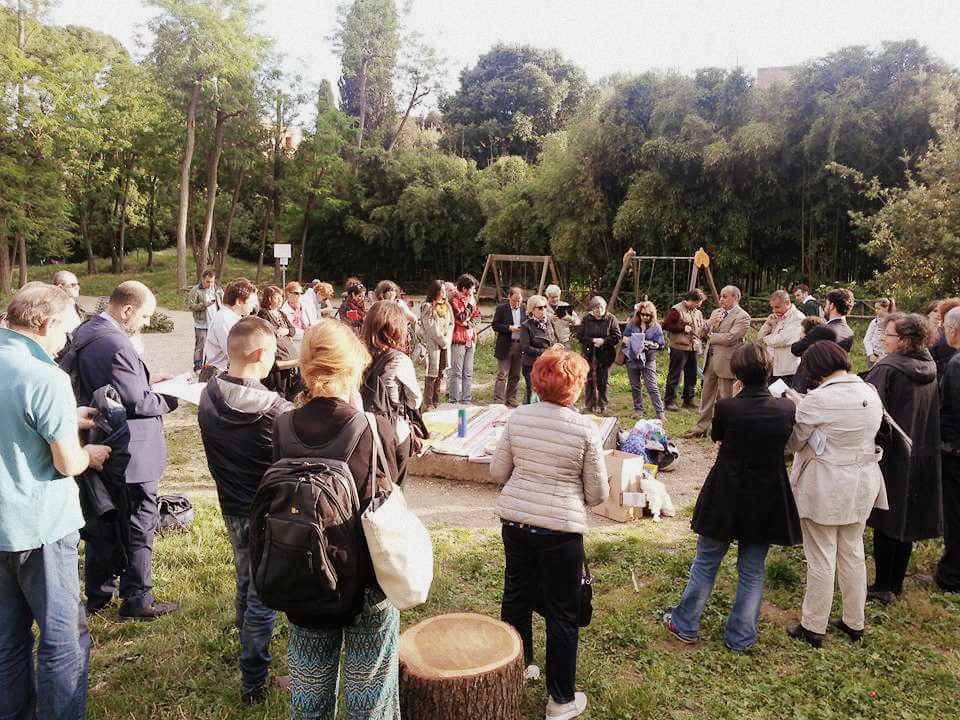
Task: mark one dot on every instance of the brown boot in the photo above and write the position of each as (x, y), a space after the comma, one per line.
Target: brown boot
(436, 389)
(429, 386)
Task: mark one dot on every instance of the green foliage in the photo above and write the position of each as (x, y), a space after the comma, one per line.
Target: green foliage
(511, 100)
(159, 323)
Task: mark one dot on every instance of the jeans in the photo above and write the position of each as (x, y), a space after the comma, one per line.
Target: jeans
(371, 666)
(461, 373)
(136, 583)
(254, 619)
(199, 340)
(543, 572)
(741, 629)
(639, 376)
(43, 585)
(682, 362)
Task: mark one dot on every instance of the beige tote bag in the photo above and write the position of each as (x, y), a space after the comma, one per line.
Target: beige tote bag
(399, 544)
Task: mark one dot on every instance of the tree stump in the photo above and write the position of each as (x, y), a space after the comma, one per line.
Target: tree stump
(461, 666)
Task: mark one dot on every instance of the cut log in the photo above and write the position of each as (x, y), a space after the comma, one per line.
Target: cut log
(461, 666)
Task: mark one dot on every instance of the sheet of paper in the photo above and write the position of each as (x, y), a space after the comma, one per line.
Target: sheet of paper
(183, 387)
(637, 499)
(780, 388)
(818, 441)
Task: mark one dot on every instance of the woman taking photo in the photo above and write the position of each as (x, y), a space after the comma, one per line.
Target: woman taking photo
(436, 319)
(300, 314)
(466, 314)
(537, 334)
(284, 378)
(550, 460)
(873, 338)
(746, 498)
(333, 360)
(906, 379)
(836, 482)
(643, 339)
(599, 335)
(385, 335)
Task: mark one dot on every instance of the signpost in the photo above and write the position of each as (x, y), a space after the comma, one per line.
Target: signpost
(283, 252)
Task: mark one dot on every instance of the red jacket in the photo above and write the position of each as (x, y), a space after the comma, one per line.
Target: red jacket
(465, 316)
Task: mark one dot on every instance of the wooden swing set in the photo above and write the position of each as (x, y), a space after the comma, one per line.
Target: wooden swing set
(544, 263)
(699, 261)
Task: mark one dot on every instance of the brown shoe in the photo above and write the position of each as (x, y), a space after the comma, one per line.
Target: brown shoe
(693, 434)
(259, 694)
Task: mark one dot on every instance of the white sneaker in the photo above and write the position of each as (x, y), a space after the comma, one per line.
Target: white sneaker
(566, 711)
(532, 672)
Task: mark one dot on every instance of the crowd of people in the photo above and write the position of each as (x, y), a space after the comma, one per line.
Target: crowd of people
(289, 375)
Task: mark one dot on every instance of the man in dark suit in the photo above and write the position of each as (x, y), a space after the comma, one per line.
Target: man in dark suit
(105, 355)
(507, 320)
(839, 303)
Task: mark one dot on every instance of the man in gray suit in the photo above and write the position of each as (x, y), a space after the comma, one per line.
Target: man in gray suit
(726, 328)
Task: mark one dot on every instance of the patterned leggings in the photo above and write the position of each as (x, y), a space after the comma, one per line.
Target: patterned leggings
(370, 666)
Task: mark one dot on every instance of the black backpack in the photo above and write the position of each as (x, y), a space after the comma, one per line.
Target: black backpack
(307, 551)
(176, 513)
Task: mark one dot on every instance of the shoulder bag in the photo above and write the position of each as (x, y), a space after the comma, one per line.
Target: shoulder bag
(399, 544)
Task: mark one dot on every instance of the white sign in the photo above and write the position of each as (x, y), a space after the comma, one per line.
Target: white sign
(282, 251)
(284, 261)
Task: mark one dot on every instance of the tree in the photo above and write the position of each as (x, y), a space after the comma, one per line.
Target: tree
(511, 100)
(202, 47)
(916, 230)
(367, 39)
(420, 73)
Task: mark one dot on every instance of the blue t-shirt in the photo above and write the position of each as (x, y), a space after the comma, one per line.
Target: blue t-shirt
(38, 506)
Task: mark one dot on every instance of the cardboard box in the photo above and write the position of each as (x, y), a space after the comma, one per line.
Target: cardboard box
(624, 471)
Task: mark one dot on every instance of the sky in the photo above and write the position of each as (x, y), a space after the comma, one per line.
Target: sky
(602, 36)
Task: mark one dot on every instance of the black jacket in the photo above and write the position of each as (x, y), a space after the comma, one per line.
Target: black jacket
(236, 424)
(907, 385)
(747, 496)
(606, 327)
(843, 332)
(942, 353)
(502, 320)
(950, 407)
(802, 382)
(535, 337)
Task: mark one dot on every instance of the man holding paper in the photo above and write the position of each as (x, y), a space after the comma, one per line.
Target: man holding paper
(105, 355)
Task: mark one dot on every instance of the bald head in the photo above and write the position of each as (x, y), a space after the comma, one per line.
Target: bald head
(67, 281)
(729, 297)
(251, 348)
(132, 305)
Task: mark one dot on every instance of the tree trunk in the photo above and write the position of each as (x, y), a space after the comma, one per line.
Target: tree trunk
(213, 169)
(363, 104)
(152, 221)
(461, 666)
(403, 121)
(87, 240)
(22, 254)
(6, 266)
(185, 164)
(303, 234)
(263, 243)
(275, 194)
(224, 249)
(121, 247)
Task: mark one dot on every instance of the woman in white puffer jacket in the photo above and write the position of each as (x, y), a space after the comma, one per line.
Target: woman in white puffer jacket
(550, 459)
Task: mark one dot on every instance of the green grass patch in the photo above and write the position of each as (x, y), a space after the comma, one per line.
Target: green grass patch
(185, 665)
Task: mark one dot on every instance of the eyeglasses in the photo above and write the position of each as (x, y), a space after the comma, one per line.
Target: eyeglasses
(645, 315)
(539, 307)
(891, 335)
(294, 292)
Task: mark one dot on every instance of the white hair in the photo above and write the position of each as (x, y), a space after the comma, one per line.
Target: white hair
(597, 301)
(552, 290)
(952, 318)
(735, 290)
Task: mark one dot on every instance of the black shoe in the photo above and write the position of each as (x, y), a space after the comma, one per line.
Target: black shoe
(884, 597)
(148, 612)
(839, 624)
(799, 632)
(691, 404)
(92, 608)
(693, 434)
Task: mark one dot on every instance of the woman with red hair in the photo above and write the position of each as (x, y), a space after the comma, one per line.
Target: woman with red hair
(550, 460)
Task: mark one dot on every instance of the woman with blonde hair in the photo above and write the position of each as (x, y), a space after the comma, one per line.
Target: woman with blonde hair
(643, 339)
(537, 333)
(550, 461)
(332, 425)
(300, 314)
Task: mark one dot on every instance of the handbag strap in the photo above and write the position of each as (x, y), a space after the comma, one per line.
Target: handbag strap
(376, 453)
